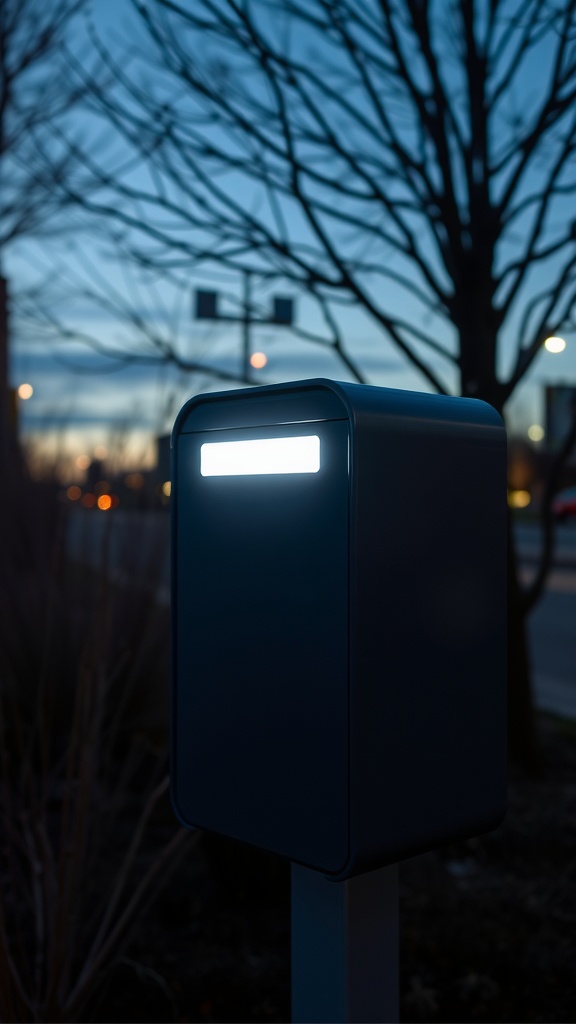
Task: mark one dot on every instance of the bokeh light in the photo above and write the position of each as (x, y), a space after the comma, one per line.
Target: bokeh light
(134, 481)
(258, 360)
(536, 432)
(83, 461)
(89, 500)
(100, 452)
(25, 391)
(74, 493)
(166, 488)
(104, 502)
(554, 344)
(519, 499)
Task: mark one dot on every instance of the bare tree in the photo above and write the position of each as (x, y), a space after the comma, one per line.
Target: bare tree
(148, 315)
(413, 159)
(35, 94)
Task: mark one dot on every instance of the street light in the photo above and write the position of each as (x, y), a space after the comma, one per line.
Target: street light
(282, 314)
(554, 344)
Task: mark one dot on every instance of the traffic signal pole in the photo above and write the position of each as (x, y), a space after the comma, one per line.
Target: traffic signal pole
(246, 320)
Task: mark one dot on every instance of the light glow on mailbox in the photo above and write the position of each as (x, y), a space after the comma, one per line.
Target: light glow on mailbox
(261, 456)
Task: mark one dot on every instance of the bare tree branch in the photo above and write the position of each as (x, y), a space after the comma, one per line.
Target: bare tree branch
(339, 146)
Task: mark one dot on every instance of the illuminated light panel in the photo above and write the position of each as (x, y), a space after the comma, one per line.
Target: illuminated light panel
(261, 456)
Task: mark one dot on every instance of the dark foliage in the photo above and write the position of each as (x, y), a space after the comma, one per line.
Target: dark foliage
(487, 926)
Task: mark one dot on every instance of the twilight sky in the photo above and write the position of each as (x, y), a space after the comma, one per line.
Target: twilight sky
(81, 399)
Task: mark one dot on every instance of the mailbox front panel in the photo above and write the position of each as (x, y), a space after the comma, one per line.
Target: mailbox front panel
(261, 619)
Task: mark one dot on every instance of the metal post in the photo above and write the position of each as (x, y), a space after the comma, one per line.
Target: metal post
(4, 345)
(344, 947)
(246, 320)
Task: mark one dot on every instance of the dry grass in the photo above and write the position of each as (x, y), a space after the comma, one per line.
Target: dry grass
(83, 739)
(488, 926)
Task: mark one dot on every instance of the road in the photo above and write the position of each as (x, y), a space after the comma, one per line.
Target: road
(132, 545)
(139, 548)
(552, 624)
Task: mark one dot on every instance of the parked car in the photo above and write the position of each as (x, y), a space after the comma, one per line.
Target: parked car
(564, 504)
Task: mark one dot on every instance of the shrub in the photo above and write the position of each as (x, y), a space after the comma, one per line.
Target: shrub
(83, 738)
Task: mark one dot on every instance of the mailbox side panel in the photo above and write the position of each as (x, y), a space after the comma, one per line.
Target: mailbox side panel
(428, 624)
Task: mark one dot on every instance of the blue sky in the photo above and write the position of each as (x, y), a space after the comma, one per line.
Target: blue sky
(82, 409)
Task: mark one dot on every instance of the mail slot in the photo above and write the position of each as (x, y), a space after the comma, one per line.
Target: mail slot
(338, 620)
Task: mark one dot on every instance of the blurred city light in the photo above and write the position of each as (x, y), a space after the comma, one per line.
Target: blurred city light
(536, 432)
(554, 344)
(519, 499)
(74, 493)
(258, 360)
(166, 488)
(89, 500)
(25, 391)
(104, 502)
(83, 461)
(100, 452)
(134, 481)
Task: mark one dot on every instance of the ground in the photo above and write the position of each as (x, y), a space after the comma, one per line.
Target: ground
(488, 927)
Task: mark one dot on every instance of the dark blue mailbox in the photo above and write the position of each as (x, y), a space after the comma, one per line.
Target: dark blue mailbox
(339, 615)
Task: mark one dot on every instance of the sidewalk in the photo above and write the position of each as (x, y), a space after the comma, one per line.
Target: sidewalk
(558, 696)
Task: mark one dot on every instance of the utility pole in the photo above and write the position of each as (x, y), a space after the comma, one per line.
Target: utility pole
(206, 308)
(8, 395)
(246, 348)
(8, 401)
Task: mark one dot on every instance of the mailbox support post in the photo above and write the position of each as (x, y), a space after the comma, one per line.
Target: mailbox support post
(345, 947)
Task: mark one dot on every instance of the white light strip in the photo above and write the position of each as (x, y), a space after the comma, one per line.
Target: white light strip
(264, 455)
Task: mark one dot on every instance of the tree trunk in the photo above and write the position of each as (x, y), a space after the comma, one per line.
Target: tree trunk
(477, 366)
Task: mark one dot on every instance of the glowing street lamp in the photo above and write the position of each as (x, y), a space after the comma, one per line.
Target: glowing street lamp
(536, 432)
(258, 360)
(554, 344)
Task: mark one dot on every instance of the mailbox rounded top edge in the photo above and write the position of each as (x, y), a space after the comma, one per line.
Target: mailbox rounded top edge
(265, 405)
(324, 398)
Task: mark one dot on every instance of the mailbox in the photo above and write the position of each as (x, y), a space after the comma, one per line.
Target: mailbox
(338, 620)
